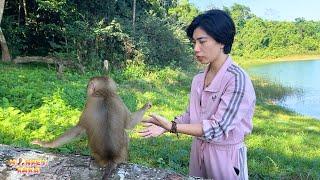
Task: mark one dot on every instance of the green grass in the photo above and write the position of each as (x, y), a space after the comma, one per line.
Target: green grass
(269, 92)
(35, 104)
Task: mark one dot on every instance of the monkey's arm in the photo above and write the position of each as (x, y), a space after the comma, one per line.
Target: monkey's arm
(137, 116)
(63, 139)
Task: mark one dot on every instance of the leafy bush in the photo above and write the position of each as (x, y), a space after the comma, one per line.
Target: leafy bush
(90, 32)
(160, 43)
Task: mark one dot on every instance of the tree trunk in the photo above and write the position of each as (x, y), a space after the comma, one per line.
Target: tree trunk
(134, 14)
(2, 2)
(4, 47)
(22, 12)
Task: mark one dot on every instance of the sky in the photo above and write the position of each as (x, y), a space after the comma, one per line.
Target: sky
(282, 10)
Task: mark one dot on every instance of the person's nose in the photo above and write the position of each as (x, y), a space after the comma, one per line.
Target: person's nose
(196, 47)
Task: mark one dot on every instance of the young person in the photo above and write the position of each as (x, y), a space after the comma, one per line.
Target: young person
(221, 104)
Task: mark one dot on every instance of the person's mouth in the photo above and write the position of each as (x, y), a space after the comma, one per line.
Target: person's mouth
(199, 58)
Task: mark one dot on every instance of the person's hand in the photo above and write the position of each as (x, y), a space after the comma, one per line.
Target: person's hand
(155, 126)
(151, 130)
(159, 121)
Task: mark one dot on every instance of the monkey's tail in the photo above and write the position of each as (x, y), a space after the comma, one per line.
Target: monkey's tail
(108, 170)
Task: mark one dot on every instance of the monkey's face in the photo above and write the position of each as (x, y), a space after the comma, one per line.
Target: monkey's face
(99, 86)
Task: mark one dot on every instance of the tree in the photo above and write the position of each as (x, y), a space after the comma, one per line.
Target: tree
(184, 12)
(240, 14)
(134, 14)
(22, 12)
(4, 47)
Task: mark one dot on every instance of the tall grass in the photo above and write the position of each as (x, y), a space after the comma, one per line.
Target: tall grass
(267, 91)
(35, 104)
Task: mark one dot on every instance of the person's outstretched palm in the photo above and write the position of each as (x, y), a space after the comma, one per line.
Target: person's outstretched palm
(155, 126)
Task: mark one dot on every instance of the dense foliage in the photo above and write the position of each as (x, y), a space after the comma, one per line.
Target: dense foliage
(90, 31)
(263, 39)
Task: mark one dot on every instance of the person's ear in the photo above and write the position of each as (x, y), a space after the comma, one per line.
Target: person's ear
(221, 47)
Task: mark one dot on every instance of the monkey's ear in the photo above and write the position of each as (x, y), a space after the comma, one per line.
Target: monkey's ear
(106, 65)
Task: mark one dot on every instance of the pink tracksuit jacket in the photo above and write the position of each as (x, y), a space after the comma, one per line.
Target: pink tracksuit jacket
(225, 109)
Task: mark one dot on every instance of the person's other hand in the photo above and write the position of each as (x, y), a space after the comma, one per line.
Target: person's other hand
(155, 126)
(151, 130)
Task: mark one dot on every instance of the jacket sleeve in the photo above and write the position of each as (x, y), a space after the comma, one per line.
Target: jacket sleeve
(183, 118)
(234, 105)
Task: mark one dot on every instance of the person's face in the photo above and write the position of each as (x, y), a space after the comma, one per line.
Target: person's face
(206, 49)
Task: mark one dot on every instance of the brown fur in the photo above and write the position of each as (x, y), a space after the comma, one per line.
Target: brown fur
(104, 119)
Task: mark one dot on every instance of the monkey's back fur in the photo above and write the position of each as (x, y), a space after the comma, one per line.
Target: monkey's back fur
(107, 137)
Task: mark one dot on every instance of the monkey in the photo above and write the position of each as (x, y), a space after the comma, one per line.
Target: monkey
(104, 119)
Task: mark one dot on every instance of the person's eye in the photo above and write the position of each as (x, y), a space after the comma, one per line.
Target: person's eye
(202, 42)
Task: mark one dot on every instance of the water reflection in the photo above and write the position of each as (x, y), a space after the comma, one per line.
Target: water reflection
(303, 75)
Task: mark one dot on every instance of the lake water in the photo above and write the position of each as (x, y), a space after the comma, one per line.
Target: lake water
(303, 75)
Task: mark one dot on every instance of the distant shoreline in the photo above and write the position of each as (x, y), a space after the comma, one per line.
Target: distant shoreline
(297, 58)
(257, 62)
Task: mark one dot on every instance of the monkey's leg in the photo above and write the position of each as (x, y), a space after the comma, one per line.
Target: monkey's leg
(63, 139)
(111, 166)
(137, 116)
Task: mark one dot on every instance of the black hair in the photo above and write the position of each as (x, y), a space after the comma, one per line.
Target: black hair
(217, 24)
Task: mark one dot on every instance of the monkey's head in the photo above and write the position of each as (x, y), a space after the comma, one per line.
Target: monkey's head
(101, 87)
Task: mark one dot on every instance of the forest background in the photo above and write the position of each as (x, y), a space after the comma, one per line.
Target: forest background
(151, 32)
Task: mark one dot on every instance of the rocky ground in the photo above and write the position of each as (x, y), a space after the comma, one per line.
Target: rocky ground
(19, 163)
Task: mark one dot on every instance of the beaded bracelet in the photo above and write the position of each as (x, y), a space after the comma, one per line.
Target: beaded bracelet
(174, 128)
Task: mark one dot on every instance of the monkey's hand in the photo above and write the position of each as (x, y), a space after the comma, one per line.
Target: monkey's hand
(147, 106)
(42, 143)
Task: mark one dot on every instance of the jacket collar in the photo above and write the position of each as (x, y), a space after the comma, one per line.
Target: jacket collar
(217, 80)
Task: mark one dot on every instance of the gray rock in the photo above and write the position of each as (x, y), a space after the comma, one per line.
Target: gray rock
(21, 163)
